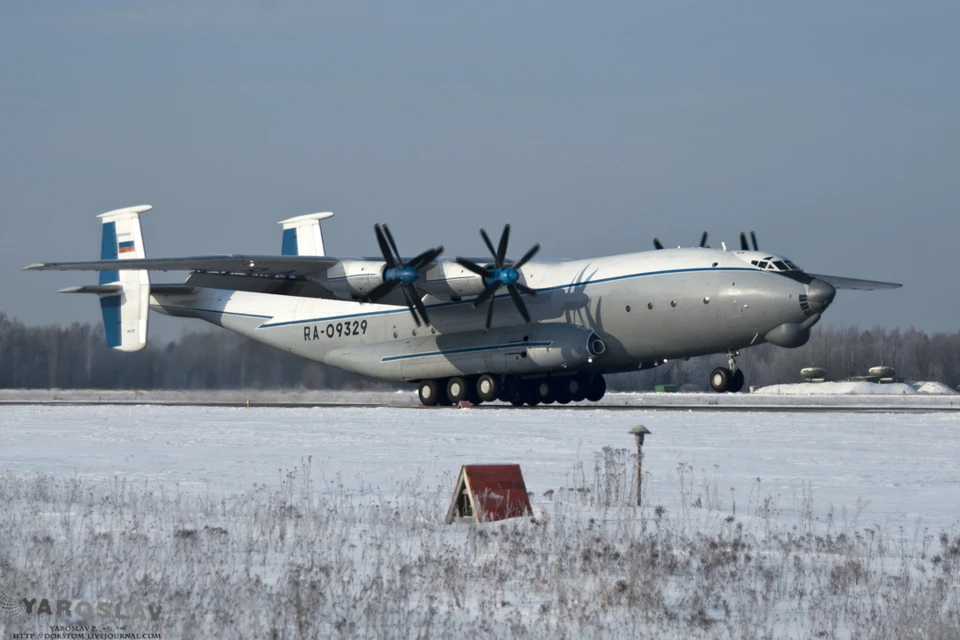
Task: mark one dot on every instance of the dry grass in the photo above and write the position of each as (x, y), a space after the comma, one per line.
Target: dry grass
(304, 561)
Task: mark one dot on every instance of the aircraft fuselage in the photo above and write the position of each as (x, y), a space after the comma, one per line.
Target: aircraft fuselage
(644, 308)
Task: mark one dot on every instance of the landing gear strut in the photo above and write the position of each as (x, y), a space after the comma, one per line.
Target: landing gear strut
(723, 379)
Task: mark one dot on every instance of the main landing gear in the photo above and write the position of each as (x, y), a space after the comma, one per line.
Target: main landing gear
(728, 379)
(489, 387)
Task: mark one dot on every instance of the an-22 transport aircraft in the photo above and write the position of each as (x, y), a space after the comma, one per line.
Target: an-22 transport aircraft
(522, 331)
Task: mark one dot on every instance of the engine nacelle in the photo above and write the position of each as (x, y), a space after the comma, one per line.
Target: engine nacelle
(350, 279)
(449, 280)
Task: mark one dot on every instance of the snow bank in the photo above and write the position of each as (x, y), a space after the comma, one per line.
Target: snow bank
(859, 388)
(933, 388)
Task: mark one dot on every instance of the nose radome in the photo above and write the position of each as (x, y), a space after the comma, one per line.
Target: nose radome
(820, 294)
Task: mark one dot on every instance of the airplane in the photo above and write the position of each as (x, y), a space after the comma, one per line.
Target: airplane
(478, 330)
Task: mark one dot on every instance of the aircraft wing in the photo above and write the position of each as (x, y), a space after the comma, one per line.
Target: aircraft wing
(299, 266)
(853, 283)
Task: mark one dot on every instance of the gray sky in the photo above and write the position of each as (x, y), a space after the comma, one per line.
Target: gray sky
(831, 128)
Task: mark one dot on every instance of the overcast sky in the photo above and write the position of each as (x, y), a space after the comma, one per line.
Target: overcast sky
(830, 128)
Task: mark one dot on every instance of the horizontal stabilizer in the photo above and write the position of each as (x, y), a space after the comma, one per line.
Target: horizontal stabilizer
(100, 289)
(854, 283)
(258, 265)
(172, 289)
(112, 289)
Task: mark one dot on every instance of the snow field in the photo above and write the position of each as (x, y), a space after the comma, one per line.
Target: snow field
(328, 522)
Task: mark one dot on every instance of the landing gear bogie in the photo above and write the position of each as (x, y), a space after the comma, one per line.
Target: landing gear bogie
(488, 387)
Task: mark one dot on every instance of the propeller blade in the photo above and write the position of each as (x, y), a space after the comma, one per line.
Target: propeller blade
(411, 305)
(384, 247)
(486, 239)
(518, 301)
(525, 289)
(477, 269)
(486, 293)
(529, 254)
(502, 249)
(703, 240)
(490, 314)
(393, 245)
(743, 242)
(425, 258)
(382, 290)
(753, 238)
(418, 302)
(656, 243)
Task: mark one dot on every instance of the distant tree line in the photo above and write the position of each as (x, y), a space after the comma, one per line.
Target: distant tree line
(76, 356)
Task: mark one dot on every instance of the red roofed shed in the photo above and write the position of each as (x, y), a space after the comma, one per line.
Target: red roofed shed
(489, 492)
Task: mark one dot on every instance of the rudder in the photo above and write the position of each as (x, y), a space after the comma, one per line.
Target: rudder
(302, 235)
(125, 312)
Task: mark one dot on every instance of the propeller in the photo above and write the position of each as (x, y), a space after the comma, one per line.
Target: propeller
(703, 242)
(501, 275)
(397, 274)
(743, 241)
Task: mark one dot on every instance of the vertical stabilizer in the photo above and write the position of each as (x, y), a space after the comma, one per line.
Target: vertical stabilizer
(124, 312)
(302, 235)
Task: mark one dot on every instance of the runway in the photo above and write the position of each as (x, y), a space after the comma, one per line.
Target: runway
(879, 403)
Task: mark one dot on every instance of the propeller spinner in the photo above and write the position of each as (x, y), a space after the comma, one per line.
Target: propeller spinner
(501, 275)
(397, 274)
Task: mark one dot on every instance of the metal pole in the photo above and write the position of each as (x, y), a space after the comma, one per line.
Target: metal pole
(638, 432)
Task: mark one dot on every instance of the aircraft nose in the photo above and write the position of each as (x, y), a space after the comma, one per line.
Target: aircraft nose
(819, 295)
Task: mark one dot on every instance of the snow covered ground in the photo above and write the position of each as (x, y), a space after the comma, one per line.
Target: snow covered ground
(906, 466)
(755, 523)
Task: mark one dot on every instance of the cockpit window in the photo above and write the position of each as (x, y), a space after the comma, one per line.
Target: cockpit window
(763, 264)
(792, 266)
(781, 265)
(753, 262)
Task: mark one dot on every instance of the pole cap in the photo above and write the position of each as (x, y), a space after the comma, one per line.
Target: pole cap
(639, 430)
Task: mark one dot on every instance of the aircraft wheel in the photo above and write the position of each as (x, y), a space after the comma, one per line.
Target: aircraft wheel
(543, 391)
(721, 379)
(429, 393)
(457, 389)
(509, 389)
(736, 383)
(561, 390)
(596, 388)
(529, 394)
(488, 387)
(577, 385)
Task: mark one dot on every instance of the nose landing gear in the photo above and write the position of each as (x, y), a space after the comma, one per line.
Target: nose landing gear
(728, 379)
